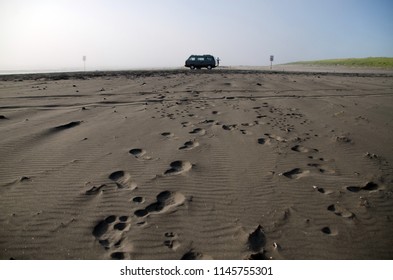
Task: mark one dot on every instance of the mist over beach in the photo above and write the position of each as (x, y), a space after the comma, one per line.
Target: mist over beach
(49, 35)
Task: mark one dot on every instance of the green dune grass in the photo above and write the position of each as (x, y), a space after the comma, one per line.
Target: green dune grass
(377, 62)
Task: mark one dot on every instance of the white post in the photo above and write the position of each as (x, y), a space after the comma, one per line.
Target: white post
(84, 63)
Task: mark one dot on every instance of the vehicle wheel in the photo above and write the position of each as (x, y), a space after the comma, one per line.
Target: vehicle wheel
(209, 67)
(192, 67)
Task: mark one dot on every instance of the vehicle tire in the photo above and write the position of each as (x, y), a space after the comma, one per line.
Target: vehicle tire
(192, 67)
(209, 67)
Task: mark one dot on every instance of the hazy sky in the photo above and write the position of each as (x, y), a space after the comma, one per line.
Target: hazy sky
(113, 34)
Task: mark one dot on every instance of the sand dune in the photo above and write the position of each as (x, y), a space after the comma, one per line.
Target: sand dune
(226, 164)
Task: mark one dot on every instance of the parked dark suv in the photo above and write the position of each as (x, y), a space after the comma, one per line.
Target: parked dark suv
(200, 61)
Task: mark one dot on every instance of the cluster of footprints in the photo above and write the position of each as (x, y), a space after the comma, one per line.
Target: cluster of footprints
(110, 232)
(165, 202)
(337, 209)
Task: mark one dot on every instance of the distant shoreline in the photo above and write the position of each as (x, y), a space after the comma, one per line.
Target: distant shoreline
(277, 69)
(359, 65)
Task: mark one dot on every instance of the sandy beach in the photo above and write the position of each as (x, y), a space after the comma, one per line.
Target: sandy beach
(181, 164)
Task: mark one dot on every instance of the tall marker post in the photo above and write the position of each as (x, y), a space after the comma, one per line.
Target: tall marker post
(84, 63)
(271, 61)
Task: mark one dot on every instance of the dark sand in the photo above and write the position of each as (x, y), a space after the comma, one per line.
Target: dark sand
(226, 164)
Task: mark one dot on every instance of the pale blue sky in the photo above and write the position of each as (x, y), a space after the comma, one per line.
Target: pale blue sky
(113, 34)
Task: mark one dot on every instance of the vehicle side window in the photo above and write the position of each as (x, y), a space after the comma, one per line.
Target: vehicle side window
(201, 58)
(192, 58)
(209, 58)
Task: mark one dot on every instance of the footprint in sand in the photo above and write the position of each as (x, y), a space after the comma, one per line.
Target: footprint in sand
(343, 139)
(95, 190)
(199, 131)
(245, 132)
(229, 127)
(256, 242)
(257, 256)
(322, 168)
(295, 173)
(193, 255)
(167, 134)
(122, 179)
(321, 190)
(138, 199)
(263, 141)
(248, 124)
(140, 154)
(178, 167)
(109, 233)
(329, 231)
(186, 124)
(189, 145)
(172, 241)
(276, 137)
(317, 158)
(370, 186)
(137, 152)
(65, 126)
(207, 121)
(301, 149)
(166, 201)
(341, 211)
